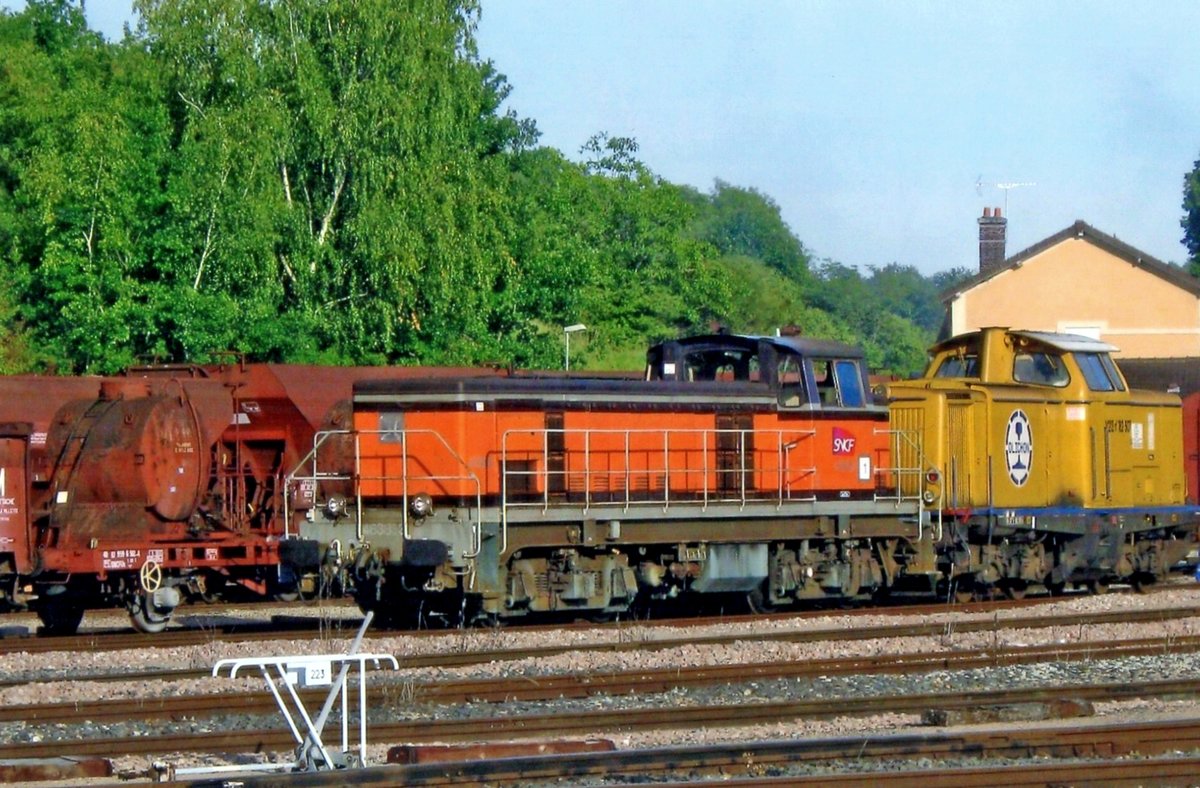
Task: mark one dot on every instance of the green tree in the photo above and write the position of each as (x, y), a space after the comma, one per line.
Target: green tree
(902, 291)
(333, 168)
(762, 300)
(336, 180)
(82, 140)
(653, 279)
(746, 222)
(1191, 217)
(893, 342)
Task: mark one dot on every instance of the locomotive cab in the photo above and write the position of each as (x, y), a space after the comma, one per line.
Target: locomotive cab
(803, 373)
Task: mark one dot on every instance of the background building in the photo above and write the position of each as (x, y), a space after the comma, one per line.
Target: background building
(1080, 281)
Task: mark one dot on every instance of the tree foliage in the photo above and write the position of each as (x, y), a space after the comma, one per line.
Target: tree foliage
(1191, 217)
(336, 181)
(745, 222)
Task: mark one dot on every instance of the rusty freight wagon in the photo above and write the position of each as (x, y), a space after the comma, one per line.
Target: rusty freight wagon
(162, 485)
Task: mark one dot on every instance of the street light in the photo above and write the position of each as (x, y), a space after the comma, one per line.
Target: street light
(567, 332)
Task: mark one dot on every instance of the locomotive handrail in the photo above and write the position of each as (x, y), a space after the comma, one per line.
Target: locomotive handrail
(357, 477)
(901, 472)
(785, 441)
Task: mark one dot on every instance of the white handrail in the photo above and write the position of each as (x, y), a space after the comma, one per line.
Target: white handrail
(356, 477)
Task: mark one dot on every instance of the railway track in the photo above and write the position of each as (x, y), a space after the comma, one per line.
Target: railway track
(592, 722)
(216, 625)
(642, 638)
(551, 687)
(814, 762)
(629, 637)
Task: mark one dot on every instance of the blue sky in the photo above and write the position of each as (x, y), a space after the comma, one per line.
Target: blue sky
(880, 128)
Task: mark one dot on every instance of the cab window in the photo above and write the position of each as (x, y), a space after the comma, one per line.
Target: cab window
(823, 376)
(1040, 369)
(838, 382)
(790, 374)
(965, 365)
(1099, 372)
(721, 366)
(849, 384)
(1111, 369)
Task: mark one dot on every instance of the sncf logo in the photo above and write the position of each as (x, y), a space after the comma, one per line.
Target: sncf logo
(843, 442)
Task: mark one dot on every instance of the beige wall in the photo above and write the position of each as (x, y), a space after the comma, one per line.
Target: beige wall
(1076, 285)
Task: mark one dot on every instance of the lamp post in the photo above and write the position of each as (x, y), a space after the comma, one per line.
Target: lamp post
(567, 332)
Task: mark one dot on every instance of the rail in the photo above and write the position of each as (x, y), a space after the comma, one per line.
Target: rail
(631, 478)
(405, 478)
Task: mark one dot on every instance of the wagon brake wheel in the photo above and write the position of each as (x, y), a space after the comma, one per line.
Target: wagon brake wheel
(150, 576)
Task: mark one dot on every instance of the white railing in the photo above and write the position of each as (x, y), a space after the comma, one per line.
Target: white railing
(407, 480)
(625, 483)
(909, 478)
(602, 468)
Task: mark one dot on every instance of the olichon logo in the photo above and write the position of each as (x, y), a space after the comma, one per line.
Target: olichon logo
(1018, 447)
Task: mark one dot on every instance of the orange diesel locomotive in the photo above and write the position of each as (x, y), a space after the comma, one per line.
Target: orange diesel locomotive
(746, 465)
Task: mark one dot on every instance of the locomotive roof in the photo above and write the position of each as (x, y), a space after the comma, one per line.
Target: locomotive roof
(805, 346)
(556, 386)
(1069, 343)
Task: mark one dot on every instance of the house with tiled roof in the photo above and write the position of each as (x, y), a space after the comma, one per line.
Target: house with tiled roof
(1080, 281)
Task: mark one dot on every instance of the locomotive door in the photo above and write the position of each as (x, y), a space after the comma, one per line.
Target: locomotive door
(735, 454)
(556, 456)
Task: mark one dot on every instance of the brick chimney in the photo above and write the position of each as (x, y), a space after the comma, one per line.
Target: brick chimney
(992, 231)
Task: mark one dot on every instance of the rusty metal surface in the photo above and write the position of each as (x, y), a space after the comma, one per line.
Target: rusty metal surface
(28, 770)
(441, 753)
(36, 398)
(131, 452)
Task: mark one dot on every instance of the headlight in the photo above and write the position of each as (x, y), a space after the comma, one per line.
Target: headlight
(421, 505)
(335, 507)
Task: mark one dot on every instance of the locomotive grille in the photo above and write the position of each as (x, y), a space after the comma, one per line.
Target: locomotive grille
(908, 424)
(958, 433)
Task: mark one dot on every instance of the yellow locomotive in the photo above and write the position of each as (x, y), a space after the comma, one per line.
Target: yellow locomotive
(1042, 465)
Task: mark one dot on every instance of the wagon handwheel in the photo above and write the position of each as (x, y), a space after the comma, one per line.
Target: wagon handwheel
(151, 576)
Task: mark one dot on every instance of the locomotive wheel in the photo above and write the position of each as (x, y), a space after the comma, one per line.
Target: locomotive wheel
(962, 590)
(1141, 581)
(59, 616)
(756, 600)
(1097, 587)
(1016, 589)
(145, 618)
